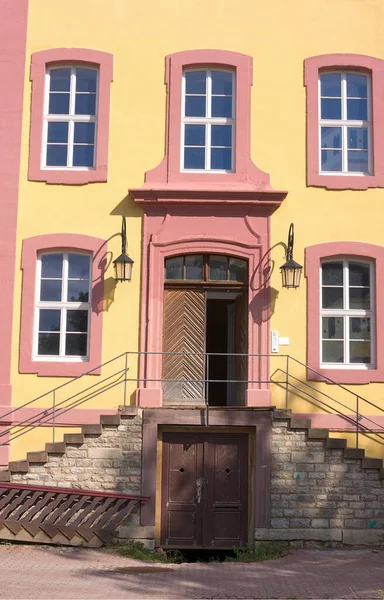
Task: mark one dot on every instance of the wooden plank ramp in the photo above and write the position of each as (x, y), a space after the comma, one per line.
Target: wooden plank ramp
(70, 517)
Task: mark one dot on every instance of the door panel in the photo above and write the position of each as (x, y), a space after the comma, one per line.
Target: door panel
(204, 490)
(184, 331)
(241, 346)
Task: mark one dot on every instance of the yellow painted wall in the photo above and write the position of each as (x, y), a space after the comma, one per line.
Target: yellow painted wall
(279, 35)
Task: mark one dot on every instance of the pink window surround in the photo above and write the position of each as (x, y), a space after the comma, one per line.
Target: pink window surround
(246, 175)
(356, 62)
(313, 257)
(31, 248)
(76, 56)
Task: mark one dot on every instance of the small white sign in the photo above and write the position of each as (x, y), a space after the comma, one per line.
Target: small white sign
(284, 341)
(274, 341)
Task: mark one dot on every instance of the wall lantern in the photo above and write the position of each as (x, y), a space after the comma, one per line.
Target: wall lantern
(123, 263)
(291, 270)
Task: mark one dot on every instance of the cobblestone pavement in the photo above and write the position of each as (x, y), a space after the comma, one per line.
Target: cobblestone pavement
(29, 572)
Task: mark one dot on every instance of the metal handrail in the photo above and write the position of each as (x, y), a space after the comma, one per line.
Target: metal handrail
(48, 416)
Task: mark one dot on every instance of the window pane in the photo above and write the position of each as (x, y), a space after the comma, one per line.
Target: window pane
(221, 106)
(58, 104)
(51, 265)
(85, 104)
(218, 268)
(332, 297)
(174, 267)
(84, 133)
(360, 352)
(58, 132)
(330, 109)
(331, 137)
(222, 83)
(330, 84)
(358, 161)
(78, 266)
(333, 328)
(221, 135)
(332, 273)
(49, 320)
(359, 274)
(333, 352)
(195, 106)
(194, 158)
(358, 138)
(77, 320)
(194, 135)
(76, 344)
(356, 86)
(56, 156)
(238, 270)
(50, 290)
(359, 298)
(83, 156)
(357, 110)
(86, 80)
(78, 290)
(195, 82)
(194, 267)
(221, 158)
(60, 80)
(49, 344)
(331, 160)
(359, 329)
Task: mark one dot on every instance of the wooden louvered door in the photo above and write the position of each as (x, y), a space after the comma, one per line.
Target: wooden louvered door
(184, 331)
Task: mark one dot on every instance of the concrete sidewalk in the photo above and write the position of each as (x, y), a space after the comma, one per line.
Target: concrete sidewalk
(29, 572)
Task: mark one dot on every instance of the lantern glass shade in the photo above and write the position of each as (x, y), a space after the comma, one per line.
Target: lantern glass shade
(291, 274)
(123, 267)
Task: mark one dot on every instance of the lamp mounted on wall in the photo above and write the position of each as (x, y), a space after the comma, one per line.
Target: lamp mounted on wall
(291, 270)
(123, 263)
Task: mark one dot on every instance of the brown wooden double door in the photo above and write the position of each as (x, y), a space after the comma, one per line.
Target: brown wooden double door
(204, 490)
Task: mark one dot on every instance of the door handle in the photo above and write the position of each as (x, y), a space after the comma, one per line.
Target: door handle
(199, 489)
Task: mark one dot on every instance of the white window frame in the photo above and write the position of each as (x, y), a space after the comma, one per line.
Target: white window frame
(63, 306)
(346, 313)
(70, 118)
(345, 123)
(208, 121)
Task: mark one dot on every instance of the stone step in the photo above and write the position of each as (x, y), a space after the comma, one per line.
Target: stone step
(128, 411)
(381, 474)
(5, 475)
(37, 457)
(279, 413)
(300, 423)
(318, 434)
(372, 463)
(92, 429)
(55, 447)
(111, 420)
(336, 443)
(354, 453)
(18, 466)
(74, 438)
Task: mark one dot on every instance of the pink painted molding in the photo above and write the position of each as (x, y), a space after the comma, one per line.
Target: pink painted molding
(13, 34)
(336, 422)
(313, 257)
(39, 63)
(30, 249)
(312, 67)
(73, 418)
(167, 178)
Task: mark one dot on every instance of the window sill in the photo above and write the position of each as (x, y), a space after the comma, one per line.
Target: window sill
(57, 369)
(68, 177)
(346, 375)
(345, 181)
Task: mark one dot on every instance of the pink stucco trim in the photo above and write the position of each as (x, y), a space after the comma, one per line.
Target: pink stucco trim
(30, 249)
(168, 231)
(246, 173)
(343, 423)
(40, 61)
(313, 257)
(73, 418)
(13, 34)
(375, 66)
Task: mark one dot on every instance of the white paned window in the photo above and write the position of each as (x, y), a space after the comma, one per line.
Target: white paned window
(347, 314)
(208, 121)
(70, 118)
(345, 134)
(63, 305)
